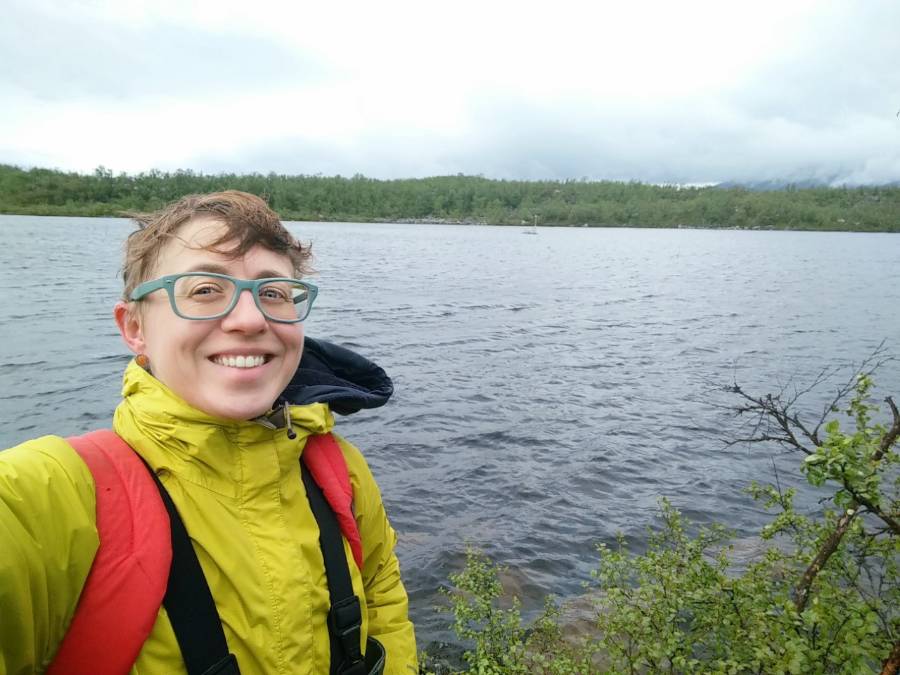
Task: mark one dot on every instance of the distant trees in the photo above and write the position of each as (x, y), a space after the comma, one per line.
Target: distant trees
(463, 198)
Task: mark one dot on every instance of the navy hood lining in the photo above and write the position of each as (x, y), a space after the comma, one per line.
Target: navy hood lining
(346, 381)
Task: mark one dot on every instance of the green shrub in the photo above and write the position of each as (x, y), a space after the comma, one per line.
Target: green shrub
(824, 597)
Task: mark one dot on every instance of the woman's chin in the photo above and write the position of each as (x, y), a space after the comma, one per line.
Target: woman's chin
(241, 394)
(236, 407)
(245, 412)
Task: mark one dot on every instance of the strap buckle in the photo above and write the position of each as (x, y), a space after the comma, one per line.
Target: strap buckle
(345, 619)
(227, 666)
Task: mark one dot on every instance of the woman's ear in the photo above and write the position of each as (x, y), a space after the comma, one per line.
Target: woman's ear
(129, 322)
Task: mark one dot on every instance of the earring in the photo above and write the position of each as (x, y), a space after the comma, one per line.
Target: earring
(143, 361)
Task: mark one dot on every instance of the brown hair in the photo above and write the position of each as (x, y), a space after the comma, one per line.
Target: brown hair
(248, 221)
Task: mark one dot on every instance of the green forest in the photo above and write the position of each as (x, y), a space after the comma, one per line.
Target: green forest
(465, 199)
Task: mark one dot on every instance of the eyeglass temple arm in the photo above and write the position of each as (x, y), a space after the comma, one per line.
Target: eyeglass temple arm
(309, 293)
(148, 287)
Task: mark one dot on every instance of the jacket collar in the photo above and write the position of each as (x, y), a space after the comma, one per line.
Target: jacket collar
(232, 457)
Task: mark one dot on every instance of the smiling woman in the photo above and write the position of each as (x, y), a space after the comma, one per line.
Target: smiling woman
(190, 356)
(296, 557)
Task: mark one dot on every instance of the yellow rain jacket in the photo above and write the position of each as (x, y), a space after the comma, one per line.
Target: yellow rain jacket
(238, 490)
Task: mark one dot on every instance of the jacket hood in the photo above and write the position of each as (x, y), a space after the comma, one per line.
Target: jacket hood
(343, 379)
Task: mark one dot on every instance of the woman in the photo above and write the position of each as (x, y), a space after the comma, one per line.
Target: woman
(220, 407)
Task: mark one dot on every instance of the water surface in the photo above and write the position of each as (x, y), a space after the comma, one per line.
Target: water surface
(550, 388)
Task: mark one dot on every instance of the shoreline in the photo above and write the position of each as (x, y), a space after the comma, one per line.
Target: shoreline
(476, 222)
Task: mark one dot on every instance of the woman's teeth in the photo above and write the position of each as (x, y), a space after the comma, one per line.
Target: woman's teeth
(240, 361)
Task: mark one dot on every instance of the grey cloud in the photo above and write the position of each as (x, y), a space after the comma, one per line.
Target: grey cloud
(824, 110)
(573, 139)
(62, 54)
(846, 64)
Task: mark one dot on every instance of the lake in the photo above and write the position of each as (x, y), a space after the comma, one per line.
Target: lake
(549, 388)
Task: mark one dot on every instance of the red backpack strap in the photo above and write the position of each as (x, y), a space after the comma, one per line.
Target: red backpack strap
(125, 587)
(325, 461)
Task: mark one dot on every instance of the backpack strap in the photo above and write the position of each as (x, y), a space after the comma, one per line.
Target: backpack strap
(125, 586)
(325, 461)
(192, 610)
(146, 559)
(190, 605)
(323, 470)
(345, 615)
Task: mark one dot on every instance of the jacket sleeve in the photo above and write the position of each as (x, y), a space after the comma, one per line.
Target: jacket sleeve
(48, 539)
(386, 600)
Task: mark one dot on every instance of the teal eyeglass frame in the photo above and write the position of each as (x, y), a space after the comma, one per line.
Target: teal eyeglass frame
(168, 283)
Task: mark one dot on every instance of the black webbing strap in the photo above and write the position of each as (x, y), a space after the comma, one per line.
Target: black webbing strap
(345, 617)
(195, 619)
(190, 605)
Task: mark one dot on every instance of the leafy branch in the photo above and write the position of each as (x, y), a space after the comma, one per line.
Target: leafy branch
(824, 597)
(853, 462)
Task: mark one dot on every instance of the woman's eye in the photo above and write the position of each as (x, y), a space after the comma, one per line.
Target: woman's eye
(272, 294)
(206, 290)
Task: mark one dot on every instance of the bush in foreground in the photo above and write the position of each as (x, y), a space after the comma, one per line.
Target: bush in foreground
(824, 597)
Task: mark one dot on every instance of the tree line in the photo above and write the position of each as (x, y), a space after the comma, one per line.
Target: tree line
(470, 199)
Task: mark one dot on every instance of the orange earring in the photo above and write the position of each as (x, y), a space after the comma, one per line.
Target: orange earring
(142, 361)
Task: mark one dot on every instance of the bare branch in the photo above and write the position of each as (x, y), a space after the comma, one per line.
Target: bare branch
(777, 482)
(867, 366)
(771, 410)
(765, 438)
(842, 392)
(824, 375)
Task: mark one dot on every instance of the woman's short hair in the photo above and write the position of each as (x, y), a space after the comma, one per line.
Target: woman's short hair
(248, 222)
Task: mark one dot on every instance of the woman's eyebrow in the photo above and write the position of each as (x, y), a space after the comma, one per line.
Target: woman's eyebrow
(208, 267)
(221, 269)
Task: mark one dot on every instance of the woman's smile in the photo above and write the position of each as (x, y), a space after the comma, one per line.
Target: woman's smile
(240, 361)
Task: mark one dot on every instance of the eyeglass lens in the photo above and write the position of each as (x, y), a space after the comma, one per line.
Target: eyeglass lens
(201, 297)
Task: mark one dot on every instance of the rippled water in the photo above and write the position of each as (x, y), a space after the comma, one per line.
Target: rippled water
(549, 388)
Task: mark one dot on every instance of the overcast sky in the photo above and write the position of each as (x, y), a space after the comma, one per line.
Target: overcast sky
(683, 92)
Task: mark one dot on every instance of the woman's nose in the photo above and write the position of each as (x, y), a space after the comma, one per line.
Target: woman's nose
(246, 315)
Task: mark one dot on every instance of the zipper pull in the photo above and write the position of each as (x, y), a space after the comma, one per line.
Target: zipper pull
(287, 422)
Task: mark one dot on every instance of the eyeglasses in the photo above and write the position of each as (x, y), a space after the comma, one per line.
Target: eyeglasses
(205, 295)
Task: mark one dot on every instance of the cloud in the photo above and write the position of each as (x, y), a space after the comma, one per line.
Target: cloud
(646, 91)
(62, 54)
(697, 141)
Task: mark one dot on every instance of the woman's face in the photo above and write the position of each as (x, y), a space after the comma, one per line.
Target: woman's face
(189, 356)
